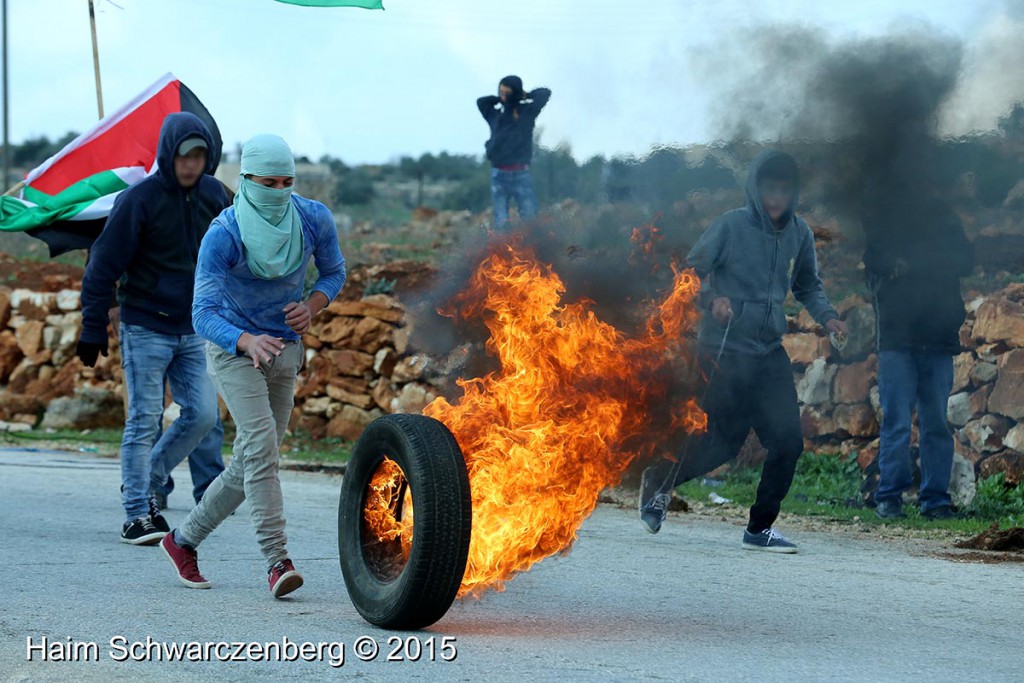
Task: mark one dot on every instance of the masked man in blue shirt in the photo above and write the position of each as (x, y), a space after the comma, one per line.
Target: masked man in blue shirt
(248, 305)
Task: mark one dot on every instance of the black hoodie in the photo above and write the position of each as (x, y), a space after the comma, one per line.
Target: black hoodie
(511, 142)
(916, 254)
(151, 241)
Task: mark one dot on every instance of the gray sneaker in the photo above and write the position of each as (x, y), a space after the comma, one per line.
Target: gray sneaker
(653, 502)
(890, 509)
(769, 540)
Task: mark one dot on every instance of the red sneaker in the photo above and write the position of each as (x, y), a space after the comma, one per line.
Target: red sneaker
(284, 579)
(184, 559)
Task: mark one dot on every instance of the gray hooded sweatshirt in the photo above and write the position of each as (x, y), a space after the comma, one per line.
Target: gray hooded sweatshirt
(743, 256)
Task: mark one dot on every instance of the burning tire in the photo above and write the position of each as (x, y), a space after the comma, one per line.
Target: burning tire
(403, 569)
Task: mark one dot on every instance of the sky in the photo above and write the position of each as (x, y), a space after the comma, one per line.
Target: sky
(371, 86)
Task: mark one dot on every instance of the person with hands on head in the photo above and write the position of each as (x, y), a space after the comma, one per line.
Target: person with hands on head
(748, 261)
(149, 246)
(248, 305)
(512, 116)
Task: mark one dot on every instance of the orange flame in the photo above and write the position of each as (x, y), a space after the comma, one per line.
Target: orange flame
(388, 511)
(645, 239)
(574, 403)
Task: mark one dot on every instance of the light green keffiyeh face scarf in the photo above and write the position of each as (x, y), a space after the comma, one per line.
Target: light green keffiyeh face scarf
(269, 224)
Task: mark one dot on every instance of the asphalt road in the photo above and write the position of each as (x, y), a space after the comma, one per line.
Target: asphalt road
(687, 604)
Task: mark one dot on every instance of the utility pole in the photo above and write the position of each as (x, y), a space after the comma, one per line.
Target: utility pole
(95, 57)
(7, 105)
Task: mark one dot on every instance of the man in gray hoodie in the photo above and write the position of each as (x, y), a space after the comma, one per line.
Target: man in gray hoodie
(748, 262)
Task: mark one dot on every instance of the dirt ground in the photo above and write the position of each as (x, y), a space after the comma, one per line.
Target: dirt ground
(939, 543)
(45, 276)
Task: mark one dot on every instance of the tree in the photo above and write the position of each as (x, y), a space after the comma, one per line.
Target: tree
(355, 186)
(555, 174)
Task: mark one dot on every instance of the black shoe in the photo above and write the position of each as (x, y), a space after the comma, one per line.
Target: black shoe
(653, 502)
(940, 512)
(154, 515)
(161, 496)
(890, 509)
(141, 532)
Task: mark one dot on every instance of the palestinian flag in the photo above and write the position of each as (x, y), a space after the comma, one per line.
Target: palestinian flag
(365, 4)
(65, 201)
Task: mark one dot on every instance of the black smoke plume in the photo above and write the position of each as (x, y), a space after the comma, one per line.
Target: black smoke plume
(870, 106)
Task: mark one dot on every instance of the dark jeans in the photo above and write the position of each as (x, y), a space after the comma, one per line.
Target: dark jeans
(751, 392)
(509, 185)
(906, 379)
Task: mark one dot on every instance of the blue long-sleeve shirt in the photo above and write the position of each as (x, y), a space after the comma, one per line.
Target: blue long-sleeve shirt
(230, 300)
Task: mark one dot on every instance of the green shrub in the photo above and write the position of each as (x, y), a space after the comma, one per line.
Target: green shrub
(829, 478)
(381, 286)
(997, 499)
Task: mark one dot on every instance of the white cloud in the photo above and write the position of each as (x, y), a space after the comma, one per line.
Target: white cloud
(992, 80)
(369, 86)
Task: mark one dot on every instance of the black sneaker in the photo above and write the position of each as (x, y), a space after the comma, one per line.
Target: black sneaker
(890, 509)
(653, 502)
(154, 515)
(768, 540)
(939, 513)
(141, 532)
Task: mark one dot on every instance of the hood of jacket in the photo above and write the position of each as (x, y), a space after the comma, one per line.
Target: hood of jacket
(177, 128)
(754, 204)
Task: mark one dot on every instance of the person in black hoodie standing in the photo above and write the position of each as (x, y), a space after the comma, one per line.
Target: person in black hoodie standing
(916, 254)
(512, 116)
(149, 245)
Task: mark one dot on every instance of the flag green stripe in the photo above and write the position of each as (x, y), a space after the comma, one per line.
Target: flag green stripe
(366, 4)
(17, 216)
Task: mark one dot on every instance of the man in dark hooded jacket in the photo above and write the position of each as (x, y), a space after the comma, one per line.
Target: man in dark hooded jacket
(512, 116)
(748, 261)
(916, 254)
(149, 245)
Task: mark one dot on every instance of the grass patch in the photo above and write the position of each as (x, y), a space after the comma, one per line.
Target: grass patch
(302, 447)
(827, 486)
(94, 436)
(297, 447)
(995, 498)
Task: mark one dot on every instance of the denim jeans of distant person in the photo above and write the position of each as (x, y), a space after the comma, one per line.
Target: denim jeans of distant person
(148, 358)
(512, 185)
(907, 379)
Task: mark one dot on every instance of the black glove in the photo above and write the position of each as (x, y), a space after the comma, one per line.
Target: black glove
(90, 352)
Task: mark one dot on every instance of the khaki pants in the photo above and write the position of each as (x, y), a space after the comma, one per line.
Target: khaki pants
(260, 401)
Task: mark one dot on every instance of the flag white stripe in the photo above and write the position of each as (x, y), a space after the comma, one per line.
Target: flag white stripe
(100, 208)
(103, 126)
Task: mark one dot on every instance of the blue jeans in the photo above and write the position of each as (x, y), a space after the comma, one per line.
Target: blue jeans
(204, 464)
(509, 185)
(148, 357)
(907, 379)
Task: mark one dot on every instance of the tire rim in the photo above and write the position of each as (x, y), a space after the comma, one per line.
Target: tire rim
(386, 529)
